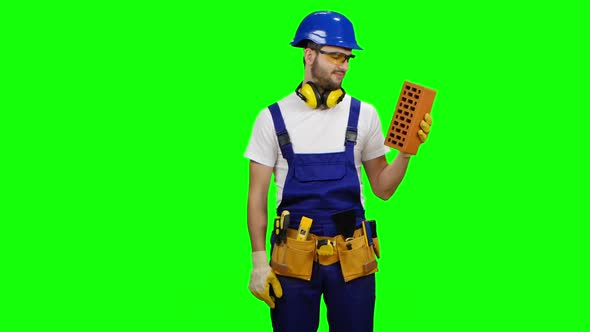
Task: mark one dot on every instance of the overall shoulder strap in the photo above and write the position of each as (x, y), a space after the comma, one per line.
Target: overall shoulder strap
(352, 127)
(281, 131)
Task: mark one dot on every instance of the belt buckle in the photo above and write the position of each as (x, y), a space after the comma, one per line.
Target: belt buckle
(325, 247)
(348, 242)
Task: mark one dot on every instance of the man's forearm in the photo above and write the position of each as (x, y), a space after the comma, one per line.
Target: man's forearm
(258, 204)
(392, 175)
(257, 224)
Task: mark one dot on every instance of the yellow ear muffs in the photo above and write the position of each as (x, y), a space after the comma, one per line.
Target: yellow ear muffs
(333, 97)
(310, 94)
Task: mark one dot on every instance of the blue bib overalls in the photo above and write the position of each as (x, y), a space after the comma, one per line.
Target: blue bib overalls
(318, 186)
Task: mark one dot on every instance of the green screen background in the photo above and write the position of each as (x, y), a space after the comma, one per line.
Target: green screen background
(124, 127)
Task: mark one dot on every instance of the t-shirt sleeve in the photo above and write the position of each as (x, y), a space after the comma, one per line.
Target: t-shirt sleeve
(375, 143)
(263, 145)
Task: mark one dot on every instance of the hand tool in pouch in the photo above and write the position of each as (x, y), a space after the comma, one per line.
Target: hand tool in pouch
(367, 233)
(304, 227)
(371, 231)
(277, 229)
(345, 222)
(283, 222)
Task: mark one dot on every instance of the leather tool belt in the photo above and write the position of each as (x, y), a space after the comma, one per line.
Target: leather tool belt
(293, 258)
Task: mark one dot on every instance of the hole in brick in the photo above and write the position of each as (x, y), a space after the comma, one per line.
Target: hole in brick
(398, 137)
(414, 89)
(395, 123)
(399, 110)
(401, 104)
(404, 99)
(403, 139)
(405, 105)
(408, 121)
(404, 132)
(410, 94)
(408, 87)
(403, 125)
(400, 144)
(412, 108)
(419, 91)
(391, 135)
(397, 130)
(416, 96)
(406, 113)
(404, 92)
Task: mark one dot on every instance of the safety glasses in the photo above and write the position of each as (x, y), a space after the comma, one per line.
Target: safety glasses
(336, 57)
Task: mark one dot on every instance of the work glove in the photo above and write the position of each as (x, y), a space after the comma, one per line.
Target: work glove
(262, 278)
(425, 127)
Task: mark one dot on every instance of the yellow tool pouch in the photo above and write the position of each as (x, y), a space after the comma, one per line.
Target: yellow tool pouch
(293, 258)
(358, 261)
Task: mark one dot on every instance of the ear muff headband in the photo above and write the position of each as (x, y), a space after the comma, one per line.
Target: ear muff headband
(310, 94)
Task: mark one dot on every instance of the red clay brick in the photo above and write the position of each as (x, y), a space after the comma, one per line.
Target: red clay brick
(414, 101)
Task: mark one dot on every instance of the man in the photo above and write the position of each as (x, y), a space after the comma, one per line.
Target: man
(315, 141)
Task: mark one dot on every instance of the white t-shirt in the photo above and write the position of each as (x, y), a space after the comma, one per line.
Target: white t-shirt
(314, 131)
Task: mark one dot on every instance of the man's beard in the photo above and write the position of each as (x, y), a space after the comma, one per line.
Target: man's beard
(321, 78)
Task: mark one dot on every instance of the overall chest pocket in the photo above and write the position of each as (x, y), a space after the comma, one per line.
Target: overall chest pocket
(320, 167)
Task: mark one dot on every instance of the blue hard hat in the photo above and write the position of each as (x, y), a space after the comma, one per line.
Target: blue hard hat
(326, 28)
